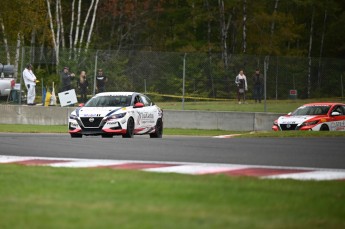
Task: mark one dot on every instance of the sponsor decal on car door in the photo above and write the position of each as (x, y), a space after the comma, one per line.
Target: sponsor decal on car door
(338, 121)
(338, 124)
(148, 116)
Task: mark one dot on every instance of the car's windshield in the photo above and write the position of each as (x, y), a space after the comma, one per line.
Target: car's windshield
(311, 110)
(109, 101)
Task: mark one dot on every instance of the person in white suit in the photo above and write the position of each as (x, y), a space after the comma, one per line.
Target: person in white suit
(30, 84)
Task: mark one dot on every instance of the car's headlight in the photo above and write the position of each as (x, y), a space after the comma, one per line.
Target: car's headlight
(116, 116)
(310, 123)
(72, 116)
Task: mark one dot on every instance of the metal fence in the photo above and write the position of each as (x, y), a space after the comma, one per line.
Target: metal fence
(196, 76)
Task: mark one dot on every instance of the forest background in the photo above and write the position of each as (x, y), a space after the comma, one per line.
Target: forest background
(152, 45)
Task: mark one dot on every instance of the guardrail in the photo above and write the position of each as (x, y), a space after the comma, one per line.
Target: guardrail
(234, 121)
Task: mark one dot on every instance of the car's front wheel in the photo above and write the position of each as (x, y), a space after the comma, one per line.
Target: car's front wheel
(130, 129)
(158, 129)
(324, 127)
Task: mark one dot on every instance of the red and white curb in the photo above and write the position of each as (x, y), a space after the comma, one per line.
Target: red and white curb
(266, 172)
(227, 136)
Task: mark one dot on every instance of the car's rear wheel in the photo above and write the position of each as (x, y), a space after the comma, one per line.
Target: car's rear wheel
(324, 127)
(76, 135)
(158, 129)
(130, 129)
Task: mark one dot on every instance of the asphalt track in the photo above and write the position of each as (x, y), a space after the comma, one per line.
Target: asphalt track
(290, 152)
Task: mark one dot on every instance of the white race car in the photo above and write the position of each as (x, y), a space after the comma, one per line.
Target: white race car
(117, 113)
(6, 85)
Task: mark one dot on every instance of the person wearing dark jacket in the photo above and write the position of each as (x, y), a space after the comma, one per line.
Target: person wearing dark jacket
(101, 80)
(66, 78)
(83, 85)
(258, 85)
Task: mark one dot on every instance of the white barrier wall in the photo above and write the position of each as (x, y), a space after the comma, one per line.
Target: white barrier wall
(241, 121)
(37, 115)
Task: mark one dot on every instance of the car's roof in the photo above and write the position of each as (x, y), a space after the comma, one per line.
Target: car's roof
(123, 93)
(323, 104)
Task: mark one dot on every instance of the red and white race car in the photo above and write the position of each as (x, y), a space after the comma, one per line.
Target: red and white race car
(313, 117)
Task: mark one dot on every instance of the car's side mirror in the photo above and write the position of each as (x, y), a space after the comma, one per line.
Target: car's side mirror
(138, 105)
(289, 113)
(335, 113)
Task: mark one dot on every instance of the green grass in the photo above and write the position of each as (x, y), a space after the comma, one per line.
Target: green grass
(19, 128)
(22, 128)
(44, 197)
(274, 106)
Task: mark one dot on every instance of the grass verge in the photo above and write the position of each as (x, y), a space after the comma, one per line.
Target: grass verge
(275, 106)
(44, 197)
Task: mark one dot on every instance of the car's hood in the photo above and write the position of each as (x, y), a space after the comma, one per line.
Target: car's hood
(294, 119)
(97, 111)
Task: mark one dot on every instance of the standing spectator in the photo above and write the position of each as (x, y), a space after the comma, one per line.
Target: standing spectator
(100, 81)
(258, 85)
(83, 85)
(66, 79)
(242, 87)
(30, 84)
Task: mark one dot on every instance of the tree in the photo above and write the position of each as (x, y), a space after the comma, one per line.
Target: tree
(309, 52)
(8, 57)
(57, 26)
(237, 26)
(20, 21)
(224, 26)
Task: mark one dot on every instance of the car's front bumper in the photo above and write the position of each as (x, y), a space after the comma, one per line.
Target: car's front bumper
(284, 127)
(111, 127)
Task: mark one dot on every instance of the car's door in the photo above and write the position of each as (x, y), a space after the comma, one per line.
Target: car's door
(150, 113)
(137, 113)
(338, 121)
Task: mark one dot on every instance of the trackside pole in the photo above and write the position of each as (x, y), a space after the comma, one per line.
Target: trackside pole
(184, 79)
(94, 80)
(265, 77)
(342, 86)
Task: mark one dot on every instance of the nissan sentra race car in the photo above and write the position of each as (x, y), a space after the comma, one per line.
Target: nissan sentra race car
(313, 117)
(117, 113)
(6, 85)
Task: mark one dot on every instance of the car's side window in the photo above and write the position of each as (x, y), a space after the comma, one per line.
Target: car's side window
(340, 109)
(149, 100)
(137, 99)
(145, 100)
